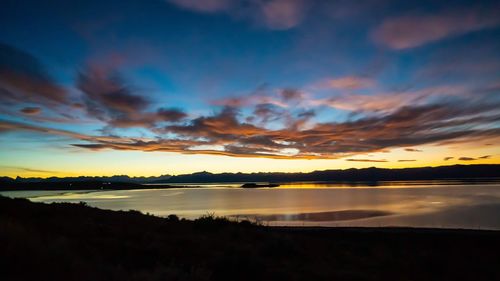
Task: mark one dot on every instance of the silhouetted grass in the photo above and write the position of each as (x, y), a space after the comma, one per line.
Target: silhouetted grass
(76, 242)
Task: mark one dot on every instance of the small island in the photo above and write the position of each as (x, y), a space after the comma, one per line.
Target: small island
(255, 185)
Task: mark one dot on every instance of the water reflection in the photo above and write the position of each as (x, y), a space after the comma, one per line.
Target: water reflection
(358, 184)
(318, 217)
(324, 204)
(71, 196)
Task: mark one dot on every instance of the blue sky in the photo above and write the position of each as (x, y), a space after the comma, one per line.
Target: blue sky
(328, 84)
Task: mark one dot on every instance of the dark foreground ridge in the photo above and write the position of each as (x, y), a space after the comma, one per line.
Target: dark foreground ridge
(75, 242)
(486, 172)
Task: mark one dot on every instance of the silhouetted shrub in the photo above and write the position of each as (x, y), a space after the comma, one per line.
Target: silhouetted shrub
(173, 218)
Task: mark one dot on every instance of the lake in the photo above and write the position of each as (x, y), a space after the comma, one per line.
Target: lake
(414, 204)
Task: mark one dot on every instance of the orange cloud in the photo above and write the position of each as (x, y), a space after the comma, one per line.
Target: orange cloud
(347, 83)
(225, 133)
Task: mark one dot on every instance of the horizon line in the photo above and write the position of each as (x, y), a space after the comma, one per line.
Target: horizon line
(260, 172)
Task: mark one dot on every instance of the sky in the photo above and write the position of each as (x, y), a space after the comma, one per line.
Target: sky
(151, 87)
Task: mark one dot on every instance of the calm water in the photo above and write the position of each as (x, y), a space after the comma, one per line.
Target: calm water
(417, 204)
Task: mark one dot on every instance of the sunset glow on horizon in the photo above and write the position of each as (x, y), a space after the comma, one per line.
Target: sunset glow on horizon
(145, 88)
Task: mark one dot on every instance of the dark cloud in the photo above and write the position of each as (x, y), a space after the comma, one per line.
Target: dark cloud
(448, 158)
(222, 126)
(30, 170)
(407, 160)
(307, 114)
(31, 110)
(413, 150)
(106, 95)
(474, 159)
(110, 99)
(289, 95)
(170, 114)
(147, 119)
(18, 126)
(366, 160)
(302, 119)
(24, 79)
(467, 159)
(92, 146)
(266, 112)
(207, 6)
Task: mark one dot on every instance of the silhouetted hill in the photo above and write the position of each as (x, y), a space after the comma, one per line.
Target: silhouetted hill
(463, 172)
(75, 242)
(367, 174)
(68, 185)
(118, 178)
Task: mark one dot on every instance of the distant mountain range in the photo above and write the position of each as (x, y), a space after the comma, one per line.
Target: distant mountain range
(366, 175)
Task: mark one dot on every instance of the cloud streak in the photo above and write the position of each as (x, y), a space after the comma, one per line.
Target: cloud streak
(273, 14)
(224, 133)
(410, 31)
(31, 170)
(24, 79)
(366, 160)
(31, 110)
(206, 6)
(387, 101)
(474, 159)
(347, 83)
(280, 123)
(407, 126)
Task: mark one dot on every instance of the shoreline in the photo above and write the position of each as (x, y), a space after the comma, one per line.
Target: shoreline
(298, 228)
(110, 186)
